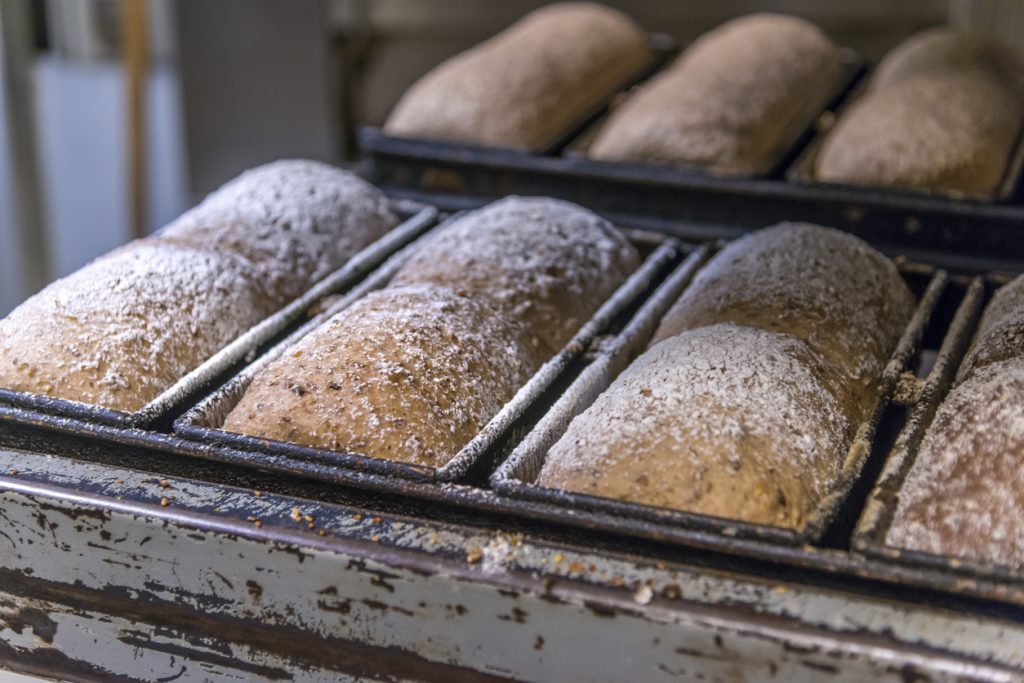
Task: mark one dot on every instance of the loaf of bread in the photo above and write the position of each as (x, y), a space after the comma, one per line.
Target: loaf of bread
(406, 373)
(723, 420)
(964, 493)
(942, 113)
(731, 102)
(1000, 334)
(530, 84)
(295, 220)
(842, 298)
(545, 263)
(414, 371)
(747, 402)
(120, 331)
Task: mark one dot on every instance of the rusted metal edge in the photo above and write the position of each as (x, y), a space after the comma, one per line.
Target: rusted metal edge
(555, 573)
(417, 218)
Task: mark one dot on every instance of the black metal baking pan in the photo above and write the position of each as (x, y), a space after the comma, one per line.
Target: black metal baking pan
(203, 423)
(516, 476)
(416, 217)
(880, 508)
(171, 455)
(802, 169)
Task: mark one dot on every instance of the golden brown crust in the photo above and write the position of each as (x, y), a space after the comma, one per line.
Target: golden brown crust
(529, 84)
(730, 100)
(406, 373)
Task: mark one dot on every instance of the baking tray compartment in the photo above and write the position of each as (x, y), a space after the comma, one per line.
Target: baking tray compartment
(516, 477)
(416, 218)
(203, 423)
(969, 575)
(802, 170)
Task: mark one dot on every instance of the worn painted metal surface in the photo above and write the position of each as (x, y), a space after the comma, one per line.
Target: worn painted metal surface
(108, 573)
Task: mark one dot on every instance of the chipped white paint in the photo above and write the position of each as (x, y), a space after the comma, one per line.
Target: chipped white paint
(522, 609)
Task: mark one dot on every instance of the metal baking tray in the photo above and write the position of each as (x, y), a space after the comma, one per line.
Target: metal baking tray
(663, 49)
(829, 565)
(396, 159)
(203, 423)
(516, 476)
(802, 169)
(416, 216)
(787, 146)
(987, 579)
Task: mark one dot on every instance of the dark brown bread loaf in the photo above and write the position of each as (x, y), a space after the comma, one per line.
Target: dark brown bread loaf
(120, 331)
(964, 494)
(723, 420)
(942, 113)
(406, 373)
(728, 103)
(543, 262)
(529, 84)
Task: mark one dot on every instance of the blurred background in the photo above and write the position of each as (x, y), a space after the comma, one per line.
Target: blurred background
(117, 115)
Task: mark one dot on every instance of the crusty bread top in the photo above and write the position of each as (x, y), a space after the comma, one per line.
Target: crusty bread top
(527, 85)
(406, 373)
(127, 326)
(296, 220)
(964, 494)
(1000, 334)
(724, 420)
(544, 262)
(843, 298)
(942, 50)
(727, 103)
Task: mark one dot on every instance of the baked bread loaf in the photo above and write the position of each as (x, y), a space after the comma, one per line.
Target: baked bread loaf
(831, 290)
(528, 85)
(723, 420)
(120, 331)
(296, 220)
(942, 113)
(542, 262)
(406, 373)
(964, 493)
(730, 100)
(127, 326)
(1000, 334)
